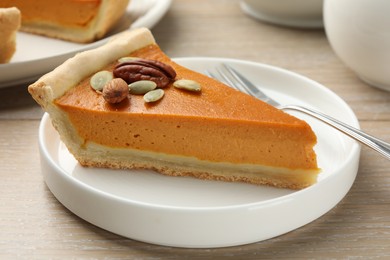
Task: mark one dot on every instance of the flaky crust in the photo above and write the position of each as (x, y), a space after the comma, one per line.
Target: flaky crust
(55, 83)
(95, 155)
(9, 24)
(109, 13)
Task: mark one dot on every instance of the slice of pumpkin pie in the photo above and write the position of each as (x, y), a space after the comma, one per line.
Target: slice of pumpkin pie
(126, 105)
(76, 20)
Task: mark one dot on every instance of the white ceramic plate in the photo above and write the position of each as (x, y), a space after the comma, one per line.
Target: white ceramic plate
(187, 212)
(36, 55)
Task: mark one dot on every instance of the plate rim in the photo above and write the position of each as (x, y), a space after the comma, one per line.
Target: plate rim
(251, 63)
(353, 156)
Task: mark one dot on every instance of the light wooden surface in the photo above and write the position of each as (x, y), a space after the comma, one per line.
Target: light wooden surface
(34, 225)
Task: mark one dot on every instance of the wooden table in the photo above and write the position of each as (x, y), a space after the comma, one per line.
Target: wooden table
(33, 224)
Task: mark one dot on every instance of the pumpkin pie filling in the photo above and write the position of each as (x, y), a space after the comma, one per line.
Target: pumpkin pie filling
(218, 133)
(189, 124)
(76, 13)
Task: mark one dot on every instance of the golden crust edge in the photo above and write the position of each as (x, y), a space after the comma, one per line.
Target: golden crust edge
(55, 83)
(10, 20)
(95, 155)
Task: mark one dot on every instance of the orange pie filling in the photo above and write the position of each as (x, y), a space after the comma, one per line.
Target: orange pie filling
(189, 125)
(74, 13)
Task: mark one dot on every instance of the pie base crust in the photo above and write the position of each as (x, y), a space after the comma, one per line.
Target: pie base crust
(10, 19)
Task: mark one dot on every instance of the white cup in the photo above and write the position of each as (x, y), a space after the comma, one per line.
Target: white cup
(359, 33)
(294, 13)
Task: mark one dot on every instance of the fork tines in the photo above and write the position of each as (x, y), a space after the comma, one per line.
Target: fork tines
(233, 78)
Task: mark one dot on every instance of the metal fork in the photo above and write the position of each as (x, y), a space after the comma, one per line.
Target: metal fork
(236, 80)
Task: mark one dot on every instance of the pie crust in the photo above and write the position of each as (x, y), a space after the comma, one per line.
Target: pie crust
(9, 25)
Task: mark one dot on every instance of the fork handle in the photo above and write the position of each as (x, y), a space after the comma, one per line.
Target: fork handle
(378, 145)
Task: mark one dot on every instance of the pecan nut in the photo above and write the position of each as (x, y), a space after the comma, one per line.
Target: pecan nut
(141, 69)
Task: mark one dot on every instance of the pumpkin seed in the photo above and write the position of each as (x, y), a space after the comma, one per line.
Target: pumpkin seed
(154, 95)
(142, 87)
(187, 84)
(124, 59)
(99, 79)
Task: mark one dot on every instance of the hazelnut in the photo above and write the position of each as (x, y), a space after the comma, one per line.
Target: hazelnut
(115, 91)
